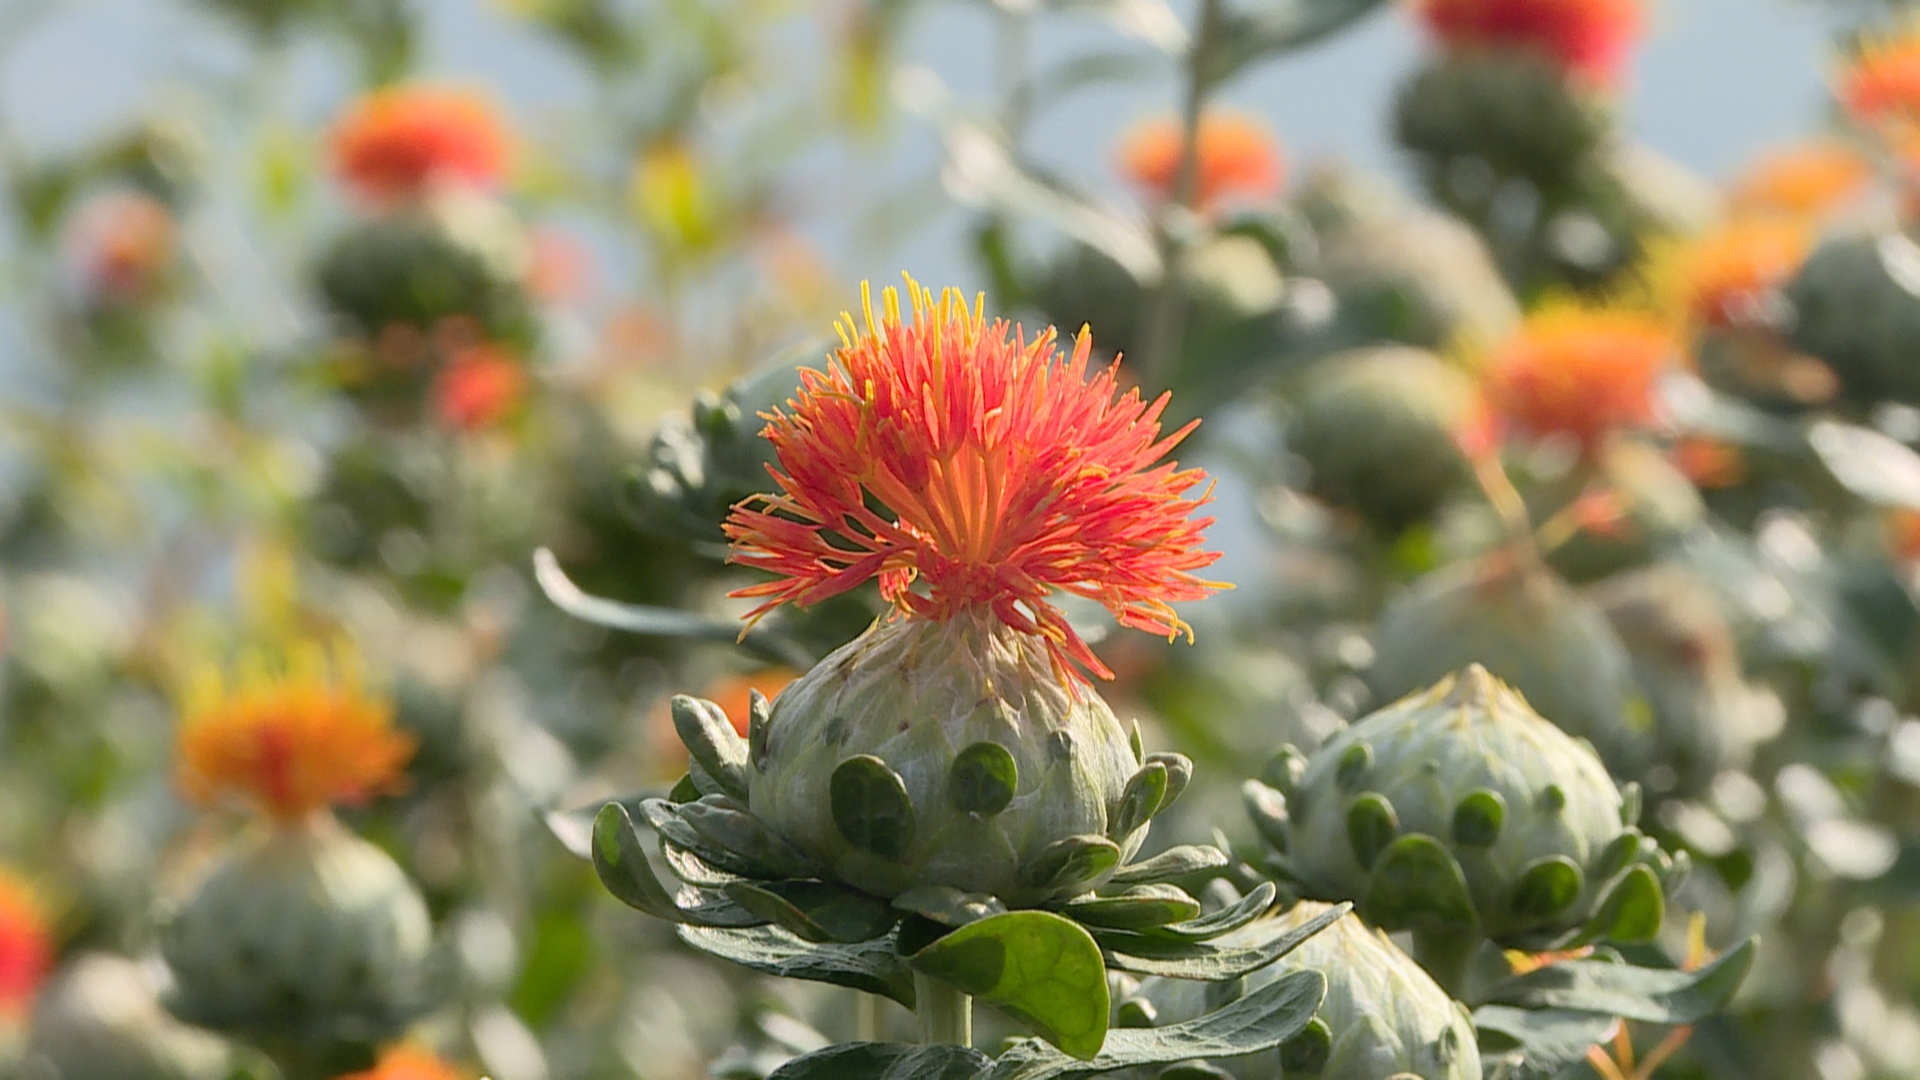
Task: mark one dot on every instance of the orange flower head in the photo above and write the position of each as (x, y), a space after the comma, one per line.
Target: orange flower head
(734, 694)
(1724, 277)
(395, 143)
(1235, 155)
(26, 945)
(1579, 372)
(123, 242)
(480, 386)
(291, 740)
(408, 1063)
(1881, 80)
(973, 470)
(1589, 38)
(1805, 180)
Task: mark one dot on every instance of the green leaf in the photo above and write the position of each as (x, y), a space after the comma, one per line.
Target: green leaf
(1212, 925)
(726, 824)
(1172, 863)
(1371, 826)
(982, 779)
(1036, 966)
(871, 807)
(1140, 907)
(621, 862)
(1260, 1021)
(1631, 911)
(947, 905)
(694, 870)
(1143, 954)
(885, 1061)
(1069, 863)
(1634, 993)
(1417, 884)
(712, 742)
(870, 965)
(1268, 810)
(1478, 818)
(1179, 774)
(1536, 1044)
(816, 910)
(1308, 1051)
(657, 621)
(1546, 888)
(1140, 801)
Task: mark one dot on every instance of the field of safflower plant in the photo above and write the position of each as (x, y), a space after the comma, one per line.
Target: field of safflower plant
(488, 596)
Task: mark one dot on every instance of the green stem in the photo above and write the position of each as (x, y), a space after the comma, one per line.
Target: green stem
(866, 1016)
(1446, 956)
(946, 1014)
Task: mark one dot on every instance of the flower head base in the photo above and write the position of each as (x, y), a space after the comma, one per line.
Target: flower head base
(1806, 180)
(26, 945)
(408, 1063)
(969, 468)
(289, 742)
(479, 387)
(395, 143)
(1235, 155)
(1580, 372)
(1587, 37)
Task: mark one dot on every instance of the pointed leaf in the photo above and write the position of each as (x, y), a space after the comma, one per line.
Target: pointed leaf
(1260, 1021)
(886, 1061)
(871, 965)
(1212, 925)
(1633, 993)
(1172, 863)
(1143, 954)
(1037, 966)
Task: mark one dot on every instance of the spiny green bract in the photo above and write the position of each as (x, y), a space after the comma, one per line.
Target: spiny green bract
(303, 930)
(945, 754)
(1382, 1017)
(1460, 807)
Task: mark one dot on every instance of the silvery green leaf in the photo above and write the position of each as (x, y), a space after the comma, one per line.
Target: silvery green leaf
(870, 965)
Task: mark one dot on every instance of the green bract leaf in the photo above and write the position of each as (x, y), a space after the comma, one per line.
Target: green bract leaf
(1035, 965)
(712, 743)
(1631, 911)
(1140, 907)
(885, 1061)
(1140, 801)
(1212, 925)
(1144, 954)
(621, 862)
(1546, 888)
(1179, 774)
(1171, 863)
(1066, 864)
(1417, 884)
(1263, 1019)
(1478, 819)
(982, 778)
(1371, 826)
(1268, 809)
(1633, 993)
(816, 910)
(870, 965)
(726, 824)
(871, 808)
(947, 905)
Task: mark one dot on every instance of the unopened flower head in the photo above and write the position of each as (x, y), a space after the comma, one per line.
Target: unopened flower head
(1235, 157)
(289, 739)
(1589, 38)
(1580, 372)
(26, 945)
(1807, 179)
(971, 469)
(397, 142)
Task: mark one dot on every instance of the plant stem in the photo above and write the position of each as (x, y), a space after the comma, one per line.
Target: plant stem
(866, 1016)
(1446, 956)
(1167, 309)
(946, 1014)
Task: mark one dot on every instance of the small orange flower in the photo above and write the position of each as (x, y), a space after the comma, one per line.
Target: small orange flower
(408, 1063)
(395, 143)
(1590, 38)
(289, 741)
(1709, 463)
(1580, 372)
(1805, 180)
(970, 469)
(1235, 155)
(1881, 80)
(1724, 277)
(479, 386)
(734, 694)
(123, 242)
(1903, 528)
(26, 945)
